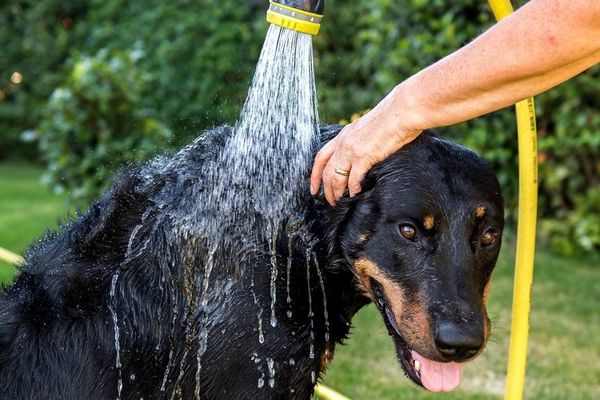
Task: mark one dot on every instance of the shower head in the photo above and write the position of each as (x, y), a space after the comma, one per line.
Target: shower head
(298, 15)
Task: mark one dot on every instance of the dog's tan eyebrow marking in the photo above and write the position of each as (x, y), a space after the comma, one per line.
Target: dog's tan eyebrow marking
(362, 238)
(480, 211)
(429, 222)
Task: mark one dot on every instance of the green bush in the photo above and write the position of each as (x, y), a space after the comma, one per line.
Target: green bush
(94, 123)
(36, 38)
(198, 56)
(569, 145)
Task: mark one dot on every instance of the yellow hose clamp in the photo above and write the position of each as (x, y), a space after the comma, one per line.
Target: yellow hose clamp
(294, 19)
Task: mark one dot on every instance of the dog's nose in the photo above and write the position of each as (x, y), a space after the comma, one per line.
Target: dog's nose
(458, 344)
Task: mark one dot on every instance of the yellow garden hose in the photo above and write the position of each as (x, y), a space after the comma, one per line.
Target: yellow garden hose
(10, 257)
(325, 393)
(528, 185)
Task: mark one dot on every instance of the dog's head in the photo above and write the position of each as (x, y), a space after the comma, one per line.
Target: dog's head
(422, 239)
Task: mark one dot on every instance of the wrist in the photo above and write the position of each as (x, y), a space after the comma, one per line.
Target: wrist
(407, 111)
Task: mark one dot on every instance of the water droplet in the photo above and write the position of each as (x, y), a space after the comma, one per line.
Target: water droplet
(261, 335)
(311, 353)
(325, 309)
(290, 259)
(271, 368)
(113, 311)
(203, 328)
(272, 232)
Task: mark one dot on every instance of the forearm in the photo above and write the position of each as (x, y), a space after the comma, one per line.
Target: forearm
(541, 45)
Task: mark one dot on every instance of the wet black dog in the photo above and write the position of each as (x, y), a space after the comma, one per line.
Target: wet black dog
(121, 302)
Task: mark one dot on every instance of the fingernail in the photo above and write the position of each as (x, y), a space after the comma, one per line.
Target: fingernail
(312, 189)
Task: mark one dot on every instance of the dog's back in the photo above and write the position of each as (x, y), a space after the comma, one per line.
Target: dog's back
(116, 301)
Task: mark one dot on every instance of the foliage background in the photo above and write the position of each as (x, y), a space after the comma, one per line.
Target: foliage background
(185, 66)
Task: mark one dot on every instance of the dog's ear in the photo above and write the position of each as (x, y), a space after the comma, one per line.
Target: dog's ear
(352, 221)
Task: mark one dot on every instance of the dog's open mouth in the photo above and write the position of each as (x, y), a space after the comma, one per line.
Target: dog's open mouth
(432, 375)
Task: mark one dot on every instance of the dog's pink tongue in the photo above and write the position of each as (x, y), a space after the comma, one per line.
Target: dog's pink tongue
(438, 376)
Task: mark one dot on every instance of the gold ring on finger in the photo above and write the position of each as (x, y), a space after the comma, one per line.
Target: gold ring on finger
(342, 172)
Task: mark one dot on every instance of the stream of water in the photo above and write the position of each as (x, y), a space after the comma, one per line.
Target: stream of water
(264, 162)
(261, 171)
(263, 165)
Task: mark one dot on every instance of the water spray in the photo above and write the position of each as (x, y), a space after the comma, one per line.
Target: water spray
(298, 15)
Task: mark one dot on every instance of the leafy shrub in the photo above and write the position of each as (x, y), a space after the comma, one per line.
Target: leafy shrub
(569, 145)
(94, 123)
(36, 37)
(199, 56)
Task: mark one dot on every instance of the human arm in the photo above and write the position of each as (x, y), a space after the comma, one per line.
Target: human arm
(539, 46)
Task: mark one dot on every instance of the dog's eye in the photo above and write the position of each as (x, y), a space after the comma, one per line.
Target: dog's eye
(408, 231)
(489, 237)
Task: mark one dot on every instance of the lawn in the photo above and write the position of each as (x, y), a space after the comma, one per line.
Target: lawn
(564, 354)
(27, 209)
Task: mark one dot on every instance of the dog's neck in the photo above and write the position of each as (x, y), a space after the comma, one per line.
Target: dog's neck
(344, 296)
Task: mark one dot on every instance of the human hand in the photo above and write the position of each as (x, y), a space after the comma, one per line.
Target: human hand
(344, 161)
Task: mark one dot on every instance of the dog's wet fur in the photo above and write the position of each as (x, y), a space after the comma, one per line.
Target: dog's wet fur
(420, 241)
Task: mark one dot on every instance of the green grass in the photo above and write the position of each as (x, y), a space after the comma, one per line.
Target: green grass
(564, 353)
(27, 209)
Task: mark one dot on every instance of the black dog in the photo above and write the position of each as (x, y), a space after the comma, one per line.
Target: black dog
(122, 302)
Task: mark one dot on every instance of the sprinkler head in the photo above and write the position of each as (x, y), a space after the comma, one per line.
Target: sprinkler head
(298, 15)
